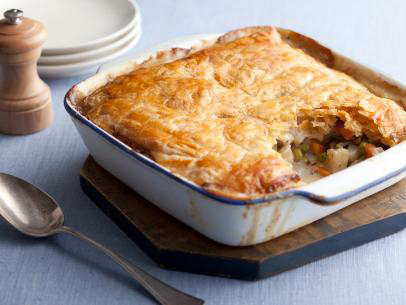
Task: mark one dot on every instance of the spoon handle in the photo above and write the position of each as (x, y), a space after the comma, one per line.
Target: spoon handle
(163, 293)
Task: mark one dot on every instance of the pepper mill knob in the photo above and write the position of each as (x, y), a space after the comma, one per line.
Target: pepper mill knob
(25, 100)
(13, 16)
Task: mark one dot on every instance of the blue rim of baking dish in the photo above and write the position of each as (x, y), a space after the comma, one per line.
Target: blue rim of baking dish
(317, 199)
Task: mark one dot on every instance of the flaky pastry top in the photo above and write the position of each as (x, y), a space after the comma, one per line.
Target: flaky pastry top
(218, 116)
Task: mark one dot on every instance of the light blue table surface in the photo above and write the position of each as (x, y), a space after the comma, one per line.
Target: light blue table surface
(62, 270)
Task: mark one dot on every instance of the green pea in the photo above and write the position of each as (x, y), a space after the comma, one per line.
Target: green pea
(361, 147)
(304, 147)
(297, 153)
(323, 157)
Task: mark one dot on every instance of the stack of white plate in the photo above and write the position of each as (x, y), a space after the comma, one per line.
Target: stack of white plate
(82, 34)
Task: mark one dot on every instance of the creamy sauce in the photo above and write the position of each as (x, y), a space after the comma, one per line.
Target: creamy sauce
(305, 171)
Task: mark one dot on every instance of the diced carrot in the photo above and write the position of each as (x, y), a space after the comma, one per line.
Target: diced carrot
(345, 133)
(322, 171)
(316, 147)
(370, 150)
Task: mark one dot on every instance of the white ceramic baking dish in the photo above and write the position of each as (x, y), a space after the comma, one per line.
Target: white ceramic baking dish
(241, 222)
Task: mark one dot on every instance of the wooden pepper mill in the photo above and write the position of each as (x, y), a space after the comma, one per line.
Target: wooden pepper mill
(25, 100)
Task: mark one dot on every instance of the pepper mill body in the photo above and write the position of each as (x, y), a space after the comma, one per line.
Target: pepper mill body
(25, 100)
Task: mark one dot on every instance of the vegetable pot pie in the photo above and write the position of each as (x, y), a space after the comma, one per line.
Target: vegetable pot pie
(249, 115)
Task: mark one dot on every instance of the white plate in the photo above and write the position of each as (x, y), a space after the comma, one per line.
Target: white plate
(68, 70)
(91, 54)
(78, 25)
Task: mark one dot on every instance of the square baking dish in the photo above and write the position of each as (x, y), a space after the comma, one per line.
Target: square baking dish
(242, 222)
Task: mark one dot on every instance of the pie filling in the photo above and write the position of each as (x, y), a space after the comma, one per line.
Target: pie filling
(313, 159)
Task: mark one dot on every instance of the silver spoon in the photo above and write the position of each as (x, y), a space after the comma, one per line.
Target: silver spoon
(35, 213)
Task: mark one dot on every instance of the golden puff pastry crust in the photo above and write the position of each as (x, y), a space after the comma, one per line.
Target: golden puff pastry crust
(217, 116)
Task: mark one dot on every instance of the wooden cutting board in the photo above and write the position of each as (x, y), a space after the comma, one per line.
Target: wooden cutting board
(173, 245)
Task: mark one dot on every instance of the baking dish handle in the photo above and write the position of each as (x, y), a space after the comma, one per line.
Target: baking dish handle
(375, 172)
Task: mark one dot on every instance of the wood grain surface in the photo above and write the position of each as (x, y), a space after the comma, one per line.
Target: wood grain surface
(175, 246)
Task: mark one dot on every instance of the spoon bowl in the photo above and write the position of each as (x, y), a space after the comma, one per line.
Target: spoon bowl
(34, 212)
(28, 208)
